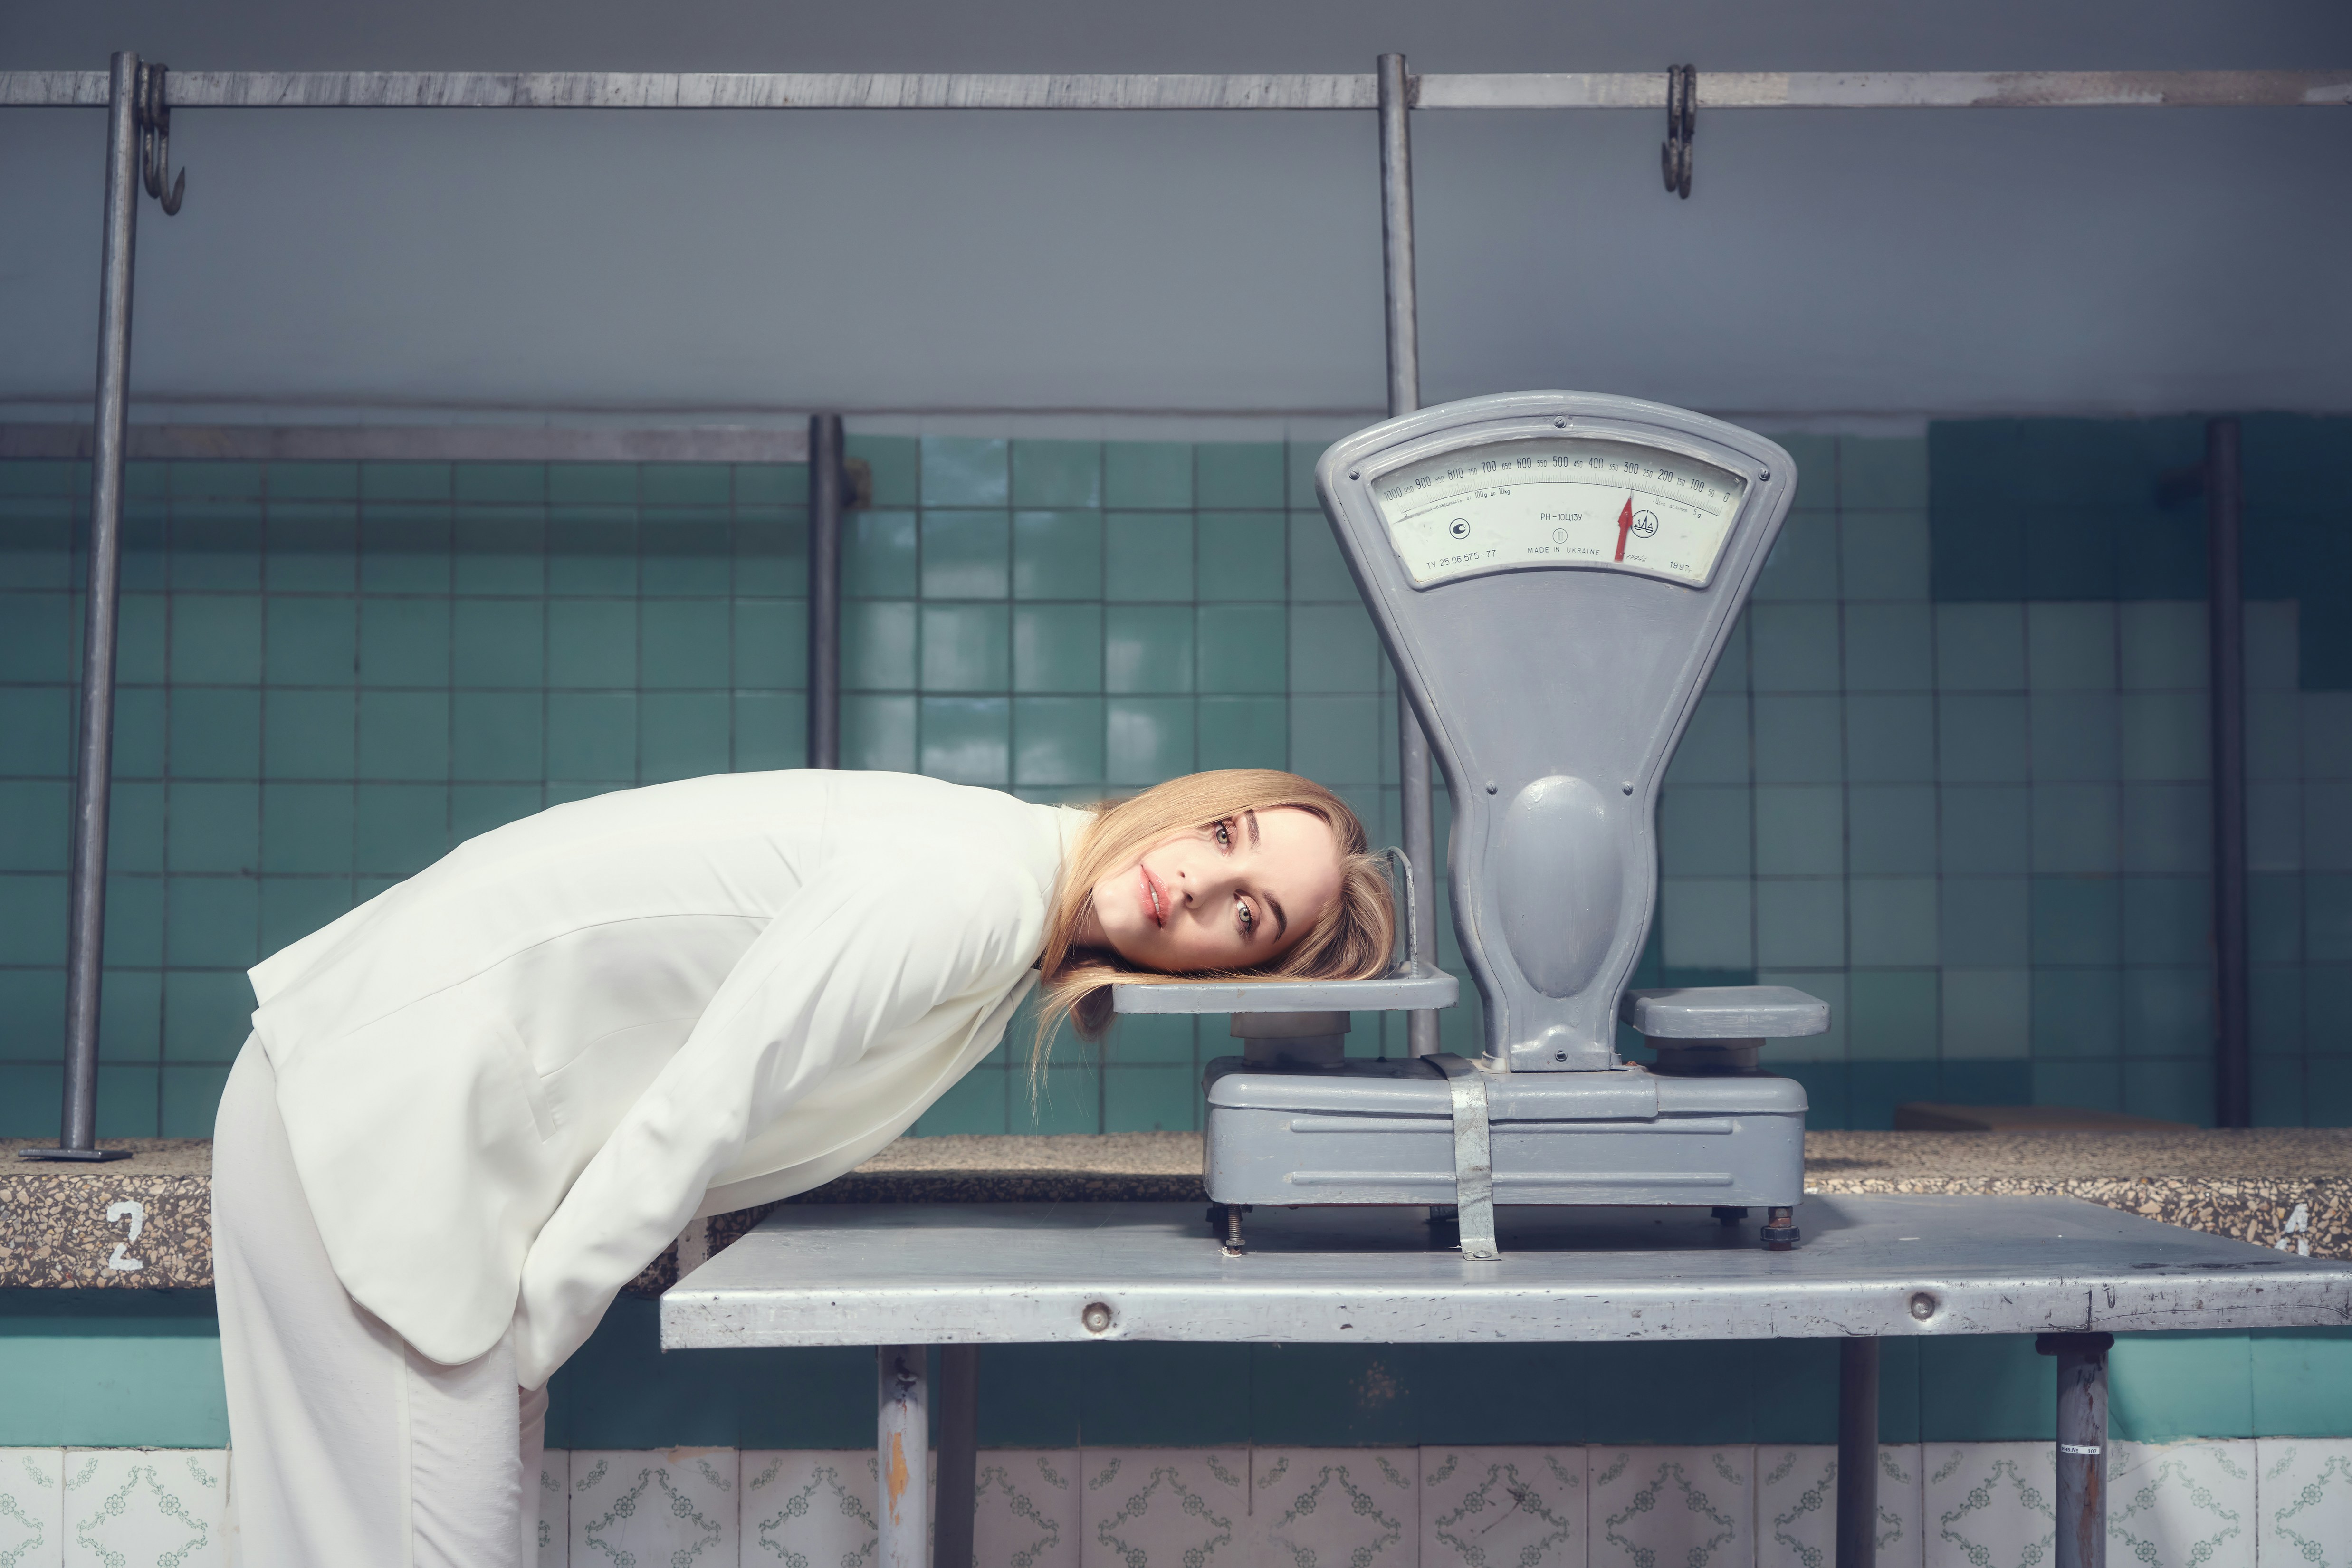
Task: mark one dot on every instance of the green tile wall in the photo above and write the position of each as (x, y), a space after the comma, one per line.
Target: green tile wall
(331, 673)
(1953, 788)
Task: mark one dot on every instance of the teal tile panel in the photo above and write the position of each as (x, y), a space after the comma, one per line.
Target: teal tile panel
(1243, 732)
(1148, 739)
(686, 550)
(1057, 741)
(1155, 475)
(960, 471)
(1238, 475)
(1057, 473)
(967, 739)
(683, 734)
(1148, 649)
(1057, 555)
(498, 643)
(1891, 1014)
(1242, 648)
(683, 643)
(1148, 556)
(894, 463)
(310, 640)
(966, 647)
(404, 641)
(1240, 555)
(966, 555)
(878, 555)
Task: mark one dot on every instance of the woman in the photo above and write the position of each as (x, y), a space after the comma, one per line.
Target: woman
(476, 1106)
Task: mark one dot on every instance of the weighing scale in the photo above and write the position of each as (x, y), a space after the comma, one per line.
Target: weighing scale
(1553, 574)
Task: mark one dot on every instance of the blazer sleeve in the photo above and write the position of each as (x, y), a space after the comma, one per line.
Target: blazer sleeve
(860, 951)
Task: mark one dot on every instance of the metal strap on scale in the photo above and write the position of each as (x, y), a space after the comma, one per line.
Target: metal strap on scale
(1473, 1159)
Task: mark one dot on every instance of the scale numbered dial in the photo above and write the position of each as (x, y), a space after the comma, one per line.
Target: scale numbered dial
(1568, 500)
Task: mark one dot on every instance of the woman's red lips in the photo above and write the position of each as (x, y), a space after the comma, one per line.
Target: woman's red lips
(1155, 896)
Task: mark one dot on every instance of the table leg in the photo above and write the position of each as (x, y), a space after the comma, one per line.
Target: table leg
(2082, 1446)
(902, 1450)
(959, 1455)
(1857, 1468)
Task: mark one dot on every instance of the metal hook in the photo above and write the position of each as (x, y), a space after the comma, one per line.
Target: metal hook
(153, 115)
(1682, 120)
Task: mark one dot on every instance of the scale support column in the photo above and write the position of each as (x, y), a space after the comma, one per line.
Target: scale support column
(1416, 799)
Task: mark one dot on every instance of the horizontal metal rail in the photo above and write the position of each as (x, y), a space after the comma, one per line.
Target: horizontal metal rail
(1563, 89)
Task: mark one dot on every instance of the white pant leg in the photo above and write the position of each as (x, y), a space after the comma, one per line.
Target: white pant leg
(349, 1448)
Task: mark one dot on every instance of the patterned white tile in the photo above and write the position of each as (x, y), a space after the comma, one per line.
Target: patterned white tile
(1990, 1505)
(1693, 1507)
(632, 1507)
(32, 1508)
(2181, 1505)
(814, 1508)
(2304, 1501)
(1165, 1508)
(1025, 1510)
(1503, 1507)
(554, 1490)
(1352, 1508)
(146, 1508)
(1796, 1507)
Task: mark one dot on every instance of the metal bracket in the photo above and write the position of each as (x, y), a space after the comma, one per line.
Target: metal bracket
(1403, 864)
(1682, 120)
(152, 114)
(1473, 1159)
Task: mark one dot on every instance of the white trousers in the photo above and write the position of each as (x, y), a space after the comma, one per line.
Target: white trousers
(349, 1449)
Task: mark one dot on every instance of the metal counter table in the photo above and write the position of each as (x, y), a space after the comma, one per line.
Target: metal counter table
(909, 1275)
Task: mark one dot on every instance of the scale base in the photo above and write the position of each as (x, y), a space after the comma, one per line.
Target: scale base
(1381, 1132)
(79, 1156)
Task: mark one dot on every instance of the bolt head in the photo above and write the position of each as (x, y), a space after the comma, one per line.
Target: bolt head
(1095, 1317)
(1493, 788)
(1923, 1306)
(1357, 474)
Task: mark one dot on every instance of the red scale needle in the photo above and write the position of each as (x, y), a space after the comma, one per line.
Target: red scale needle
(1625, 526)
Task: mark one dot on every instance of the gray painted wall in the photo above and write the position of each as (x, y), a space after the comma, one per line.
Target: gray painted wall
(1874, 262)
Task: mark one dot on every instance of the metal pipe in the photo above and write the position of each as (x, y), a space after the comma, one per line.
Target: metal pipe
(2082, 1500)
(2233, 1097)
(954, 91)
(958, 1480)
(902, 1456)
(1417, 807)
(85, 917)
(824, 461)
(1857, 1461)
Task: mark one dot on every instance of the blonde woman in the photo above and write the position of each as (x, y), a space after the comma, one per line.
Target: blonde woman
(476, 1106)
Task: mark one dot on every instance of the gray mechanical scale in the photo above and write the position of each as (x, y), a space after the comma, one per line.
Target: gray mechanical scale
(1554, 575)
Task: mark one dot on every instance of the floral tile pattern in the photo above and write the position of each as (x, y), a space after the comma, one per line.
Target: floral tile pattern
(32, 1508)
(1026, 1508)
(1503, 1507)
(1990, 1505)
(554, 1518)
(2181, 1505)
(814, 1508)
(1166, 1507)
(2304, 1494)
(146, 1508)
(633, 1507)
(1355, 1508)
(1692, 1507)
(1796, 1507)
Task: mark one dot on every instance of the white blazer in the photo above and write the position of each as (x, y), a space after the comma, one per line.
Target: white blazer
(511, 1079)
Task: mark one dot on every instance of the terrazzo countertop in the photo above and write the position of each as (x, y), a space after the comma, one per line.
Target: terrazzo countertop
(71, 1224)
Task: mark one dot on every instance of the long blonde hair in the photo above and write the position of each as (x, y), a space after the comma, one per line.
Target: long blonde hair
(1351, 940)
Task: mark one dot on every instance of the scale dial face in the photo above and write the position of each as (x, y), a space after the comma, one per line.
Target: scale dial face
(1565, 501)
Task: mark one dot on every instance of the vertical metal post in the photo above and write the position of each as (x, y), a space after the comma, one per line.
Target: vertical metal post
(2082, 1535)
(1857, 1464)
(958, 1480)
(1416, 802)
(824, 462)
(2233, 1099)
(86, 927)
(902, 1452)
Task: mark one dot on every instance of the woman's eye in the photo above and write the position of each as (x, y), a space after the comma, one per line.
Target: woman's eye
(1225, 832)
(1248, 917)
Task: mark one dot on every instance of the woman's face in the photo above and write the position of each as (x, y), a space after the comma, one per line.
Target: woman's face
(1232, 895)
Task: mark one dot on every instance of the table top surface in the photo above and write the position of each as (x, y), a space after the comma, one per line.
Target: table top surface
(859, 1274)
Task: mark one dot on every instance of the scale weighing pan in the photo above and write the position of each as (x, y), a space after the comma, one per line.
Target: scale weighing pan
(1554, 575)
